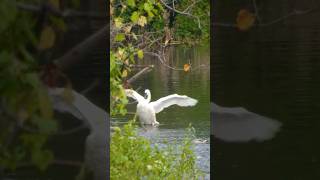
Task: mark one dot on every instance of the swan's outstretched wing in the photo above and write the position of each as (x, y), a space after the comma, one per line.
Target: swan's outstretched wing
(134, 95)
(173, 99)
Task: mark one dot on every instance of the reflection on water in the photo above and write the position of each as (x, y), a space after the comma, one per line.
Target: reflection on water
(273, 71)
(163, 81)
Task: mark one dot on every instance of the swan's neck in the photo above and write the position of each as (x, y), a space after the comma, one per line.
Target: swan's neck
(148, 99)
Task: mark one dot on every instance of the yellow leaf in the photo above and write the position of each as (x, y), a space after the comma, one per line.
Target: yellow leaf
(245, 20)
(124, 73)
(120, 53)
(118, 22)
(127, 29)
(47, 38)
(111, 11)
(140, 54)
(186, 67)
(142, 21)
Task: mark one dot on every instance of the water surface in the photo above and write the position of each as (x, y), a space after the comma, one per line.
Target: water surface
(163, 81)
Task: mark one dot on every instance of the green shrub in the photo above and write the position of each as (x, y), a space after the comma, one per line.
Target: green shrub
(134, 157)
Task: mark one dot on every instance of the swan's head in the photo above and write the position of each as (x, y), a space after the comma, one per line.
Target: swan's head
(147, 94)
(128, 92)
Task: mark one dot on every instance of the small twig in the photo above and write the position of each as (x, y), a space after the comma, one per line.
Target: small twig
(72, 130)
(94, 84)
(182, 12)
(162, 61)
(256, 11)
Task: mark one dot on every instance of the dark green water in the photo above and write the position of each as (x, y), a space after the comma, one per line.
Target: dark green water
(273, 71)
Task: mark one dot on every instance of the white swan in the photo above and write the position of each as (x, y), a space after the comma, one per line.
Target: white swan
(147, 110)
(236, 124)
(96, 118)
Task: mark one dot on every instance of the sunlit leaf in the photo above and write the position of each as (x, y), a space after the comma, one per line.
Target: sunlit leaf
(120, 37)
(147, 6)
(118, 22)
(186, 67)
(127, 29)
(134, 17)
(124, 73)
(150, 14)
(140, 54)
(245, 20)
(131, 3)
(142, 21)
(47, 38)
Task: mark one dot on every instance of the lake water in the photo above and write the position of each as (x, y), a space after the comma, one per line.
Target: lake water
(163, 81)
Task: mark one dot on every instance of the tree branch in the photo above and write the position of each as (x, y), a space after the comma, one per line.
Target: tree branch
(78, 52)
(56, 12)
(182, 12)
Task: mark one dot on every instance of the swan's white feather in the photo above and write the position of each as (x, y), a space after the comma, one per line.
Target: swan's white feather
(146, 111)
(173, 99)
(134, 95)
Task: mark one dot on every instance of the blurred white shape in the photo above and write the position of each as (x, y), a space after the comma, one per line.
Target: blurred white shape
(237, 124)
(96, 118)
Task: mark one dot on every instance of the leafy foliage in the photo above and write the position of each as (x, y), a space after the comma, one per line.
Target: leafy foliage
(25, 108)
(196, 29)
(133, 157)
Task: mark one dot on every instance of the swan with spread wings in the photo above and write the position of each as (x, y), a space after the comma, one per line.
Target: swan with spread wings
(147, 110)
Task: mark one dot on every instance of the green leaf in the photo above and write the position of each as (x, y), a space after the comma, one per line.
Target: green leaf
(134, 17)
(120, 37)
(150, 14)
(59, 23)
(118, 22)
(147, 7)
(131, 3)
(47, 38)
(140, 54)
